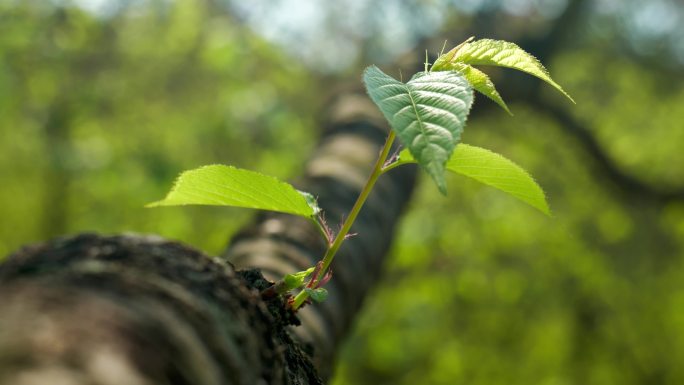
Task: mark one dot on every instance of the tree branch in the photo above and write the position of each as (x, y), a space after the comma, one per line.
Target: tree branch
(280, 244)
(142, 310)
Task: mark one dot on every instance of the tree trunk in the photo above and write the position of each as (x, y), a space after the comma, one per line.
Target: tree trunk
(136, 310)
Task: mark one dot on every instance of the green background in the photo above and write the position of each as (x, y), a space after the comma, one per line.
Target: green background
(103, 103)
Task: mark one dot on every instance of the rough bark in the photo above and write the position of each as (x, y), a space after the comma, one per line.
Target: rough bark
(134, 309)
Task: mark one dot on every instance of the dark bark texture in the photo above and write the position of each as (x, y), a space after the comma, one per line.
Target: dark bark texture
(133, 309)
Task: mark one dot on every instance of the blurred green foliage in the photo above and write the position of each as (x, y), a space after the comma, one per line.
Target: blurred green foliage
(99, 113)
(99, 116)
(491, 292)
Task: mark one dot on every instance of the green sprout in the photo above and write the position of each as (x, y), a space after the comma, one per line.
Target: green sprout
(427, 114)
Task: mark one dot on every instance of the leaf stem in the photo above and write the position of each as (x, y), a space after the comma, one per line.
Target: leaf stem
(393, 165)
(342, 235)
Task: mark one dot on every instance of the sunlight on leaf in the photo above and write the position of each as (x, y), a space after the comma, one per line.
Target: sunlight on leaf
(493, 170)
(427, 113)
(480, 82)
(220, 185)
(504, 54)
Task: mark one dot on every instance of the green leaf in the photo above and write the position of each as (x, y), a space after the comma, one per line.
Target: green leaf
(504, 54)
(295, 280)
(444, 59)
(318, 295)
(311, 201)
(480, 82)
(220, 185)
(427, 113)
(494, 170)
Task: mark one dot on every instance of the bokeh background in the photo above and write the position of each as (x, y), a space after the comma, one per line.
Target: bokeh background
(104, 102)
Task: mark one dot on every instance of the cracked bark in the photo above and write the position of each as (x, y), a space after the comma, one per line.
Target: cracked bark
(91, 309)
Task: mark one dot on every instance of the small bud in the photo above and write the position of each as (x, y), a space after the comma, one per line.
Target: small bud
(318, 295)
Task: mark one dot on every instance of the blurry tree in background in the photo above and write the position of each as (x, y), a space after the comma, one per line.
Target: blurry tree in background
(103, 102)
(101, 110)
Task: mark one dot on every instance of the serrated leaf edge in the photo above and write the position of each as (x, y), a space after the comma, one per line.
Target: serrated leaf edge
(181, 179)
(547, 77)
(406, 157)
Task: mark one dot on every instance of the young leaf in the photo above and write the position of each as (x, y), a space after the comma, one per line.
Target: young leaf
(504, 54)
(444, 59)
(295, 280)
(318, 295)
(311, 201)
(427, 113)
(494, 170)
(480, 82)
(229, 186)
